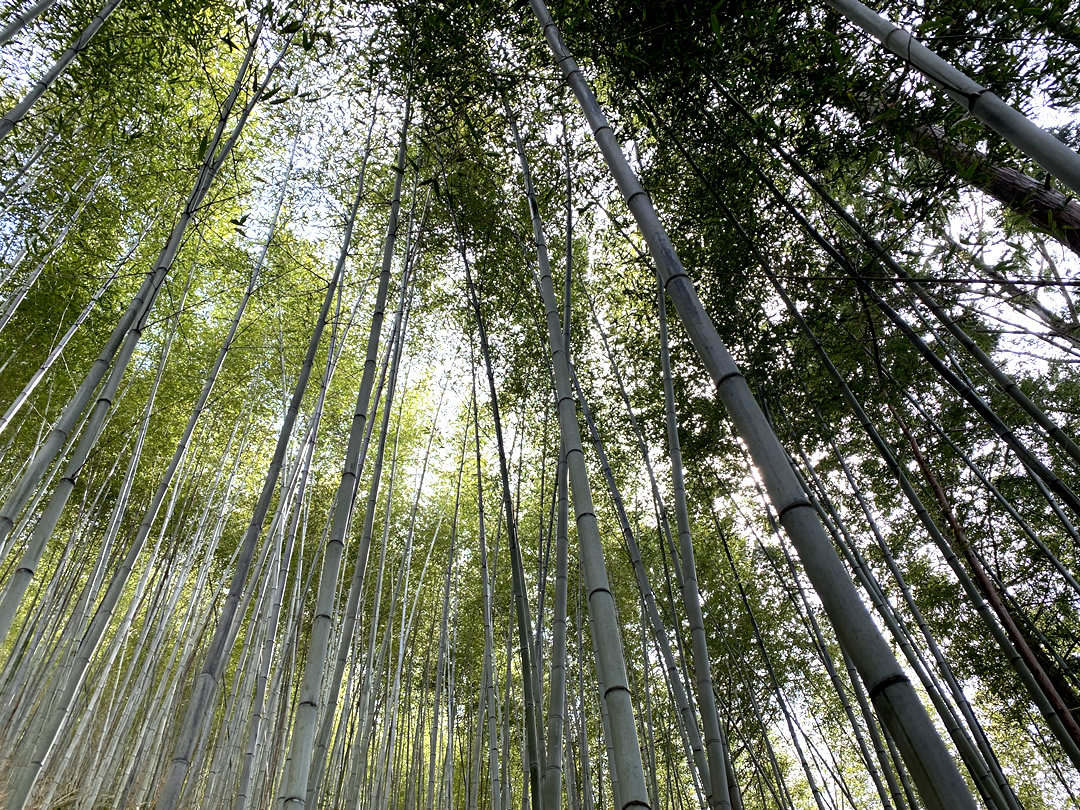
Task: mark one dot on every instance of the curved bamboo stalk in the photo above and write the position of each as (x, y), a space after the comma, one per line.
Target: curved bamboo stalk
(982, 777)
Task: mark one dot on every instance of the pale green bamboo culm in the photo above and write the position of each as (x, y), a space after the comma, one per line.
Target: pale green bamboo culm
(199, 704)
(925, 755)
(1035, 142)
(126, 334)
(720, 791)
(20, 21)
(626, 765)
(16, 113)
(307, 711)
(556, 717)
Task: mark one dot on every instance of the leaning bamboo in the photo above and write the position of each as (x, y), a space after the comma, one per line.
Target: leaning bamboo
(121, 343)
(303, 738)
(20, 21)
(1038, 144)
(533, 711)
(939, 781)
(690, 732)
(16, 113)
(715, 744)
(627, 768)
(216, 656)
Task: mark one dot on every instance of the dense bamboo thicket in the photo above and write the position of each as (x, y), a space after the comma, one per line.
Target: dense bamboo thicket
(490, 405)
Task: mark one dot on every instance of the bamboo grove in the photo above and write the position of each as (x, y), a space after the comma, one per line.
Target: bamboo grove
(610, 405)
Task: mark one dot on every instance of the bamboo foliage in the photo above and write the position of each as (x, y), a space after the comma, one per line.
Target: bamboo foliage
(303, 737)
(938, 780)
(255, 554)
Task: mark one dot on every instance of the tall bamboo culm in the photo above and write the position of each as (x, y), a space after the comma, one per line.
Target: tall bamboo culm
(627, 768)
(939, 782)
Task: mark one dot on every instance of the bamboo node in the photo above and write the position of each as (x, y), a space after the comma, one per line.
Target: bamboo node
(885, 683)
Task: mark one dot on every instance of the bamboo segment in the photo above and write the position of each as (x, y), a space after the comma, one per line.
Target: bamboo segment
(20, 21)
(16, 113)
(627, 768)
(1038, 144)
(940, 784)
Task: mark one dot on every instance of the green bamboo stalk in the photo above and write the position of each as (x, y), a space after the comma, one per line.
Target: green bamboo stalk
(936, 775)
